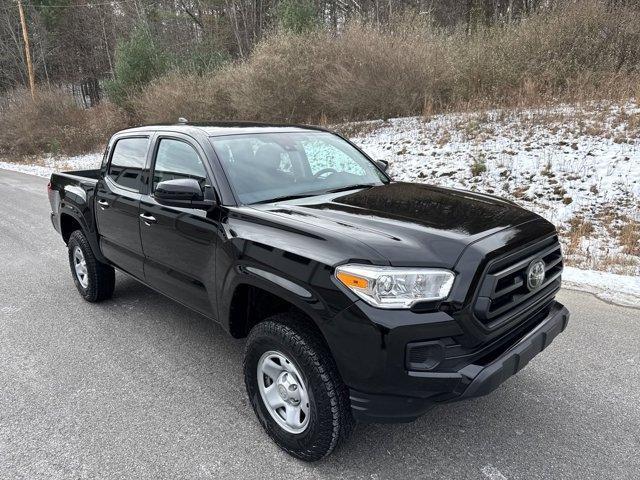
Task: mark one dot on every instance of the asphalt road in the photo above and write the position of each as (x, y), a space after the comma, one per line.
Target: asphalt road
(140, 387)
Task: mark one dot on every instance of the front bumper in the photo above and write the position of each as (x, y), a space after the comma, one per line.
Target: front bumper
(472, 380)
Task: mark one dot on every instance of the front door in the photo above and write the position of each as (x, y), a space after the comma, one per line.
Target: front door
(118, 202)
(179, 243)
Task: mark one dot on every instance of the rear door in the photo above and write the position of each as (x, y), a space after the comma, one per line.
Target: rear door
(118, 203)
(179, 243)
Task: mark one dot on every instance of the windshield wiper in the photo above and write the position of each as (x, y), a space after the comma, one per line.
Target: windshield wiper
(288, 197)
(350, 187)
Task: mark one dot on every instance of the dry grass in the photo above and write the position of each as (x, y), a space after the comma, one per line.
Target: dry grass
(621, 264)
(621, 255)
(629, 238)
(585, 51)
(579, 229)
(53, 123)
(193, 97)
(357, 129)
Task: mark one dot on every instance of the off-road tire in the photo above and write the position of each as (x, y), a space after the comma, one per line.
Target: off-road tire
(330, 421)
(101, 277)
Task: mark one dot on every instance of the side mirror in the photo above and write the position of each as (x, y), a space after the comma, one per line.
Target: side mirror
(182, 192)
(383, 164)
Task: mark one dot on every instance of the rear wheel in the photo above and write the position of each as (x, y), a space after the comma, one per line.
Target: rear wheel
(295, 389)
(94, 280)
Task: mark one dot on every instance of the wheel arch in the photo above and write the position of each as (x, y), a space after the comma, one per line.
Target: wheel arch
(71, 221)
(68, 225)
(251, 298)
(252, 302)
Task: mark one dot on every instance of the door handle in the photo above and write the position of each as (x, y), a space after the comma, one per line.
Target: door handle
(148, 219)
(103, 204)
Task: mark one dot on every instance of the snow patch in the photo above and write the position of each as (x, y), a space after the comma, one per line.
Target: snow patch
(619, 289)
(492, 473)
(44, 167)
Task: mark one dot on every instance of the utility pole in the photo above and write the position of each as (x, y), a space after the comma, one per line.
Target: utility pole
(27, 51)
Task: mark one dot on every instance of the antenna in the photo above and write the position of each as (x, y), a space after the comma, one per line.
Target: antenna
(183, 120)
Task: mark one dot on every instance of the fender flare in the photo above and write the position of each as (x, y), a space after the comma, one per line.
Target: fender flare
(292, 292)
(71, 210)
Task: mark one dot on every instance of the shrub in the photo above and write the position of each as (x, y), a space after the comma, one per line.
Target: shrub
(585, 50)
(297, 16)
(204, 59)
(138, 61)
(630, 238)
(53, 123)
(194, 97)
(478, 167)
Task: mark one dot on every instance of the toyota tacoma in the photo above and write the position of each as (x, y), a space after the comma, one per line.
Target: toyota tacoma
(361, 298)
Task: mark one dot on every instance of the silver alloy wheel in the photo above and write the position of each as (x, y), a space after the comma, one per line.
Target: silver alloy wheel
(283, 391)
(80, 265)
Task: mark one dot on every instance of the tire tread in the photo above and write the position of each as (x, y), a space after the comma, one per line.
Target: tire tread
(305, 344)
(102, 278)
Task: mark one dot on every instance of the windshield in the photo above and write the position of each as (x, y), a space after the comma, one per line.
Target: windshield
(269, 166)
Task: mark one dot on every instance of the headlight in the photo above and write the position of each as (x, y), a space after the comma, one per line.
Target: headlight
(395, 287)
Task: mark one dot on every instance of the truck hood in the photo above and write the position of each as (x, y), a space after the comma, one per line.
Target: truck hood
(408, 224)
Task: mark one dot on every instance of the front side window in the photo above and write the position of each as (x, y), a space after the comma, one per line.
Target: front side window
(268, 166)
(127, 161)
(176, 160)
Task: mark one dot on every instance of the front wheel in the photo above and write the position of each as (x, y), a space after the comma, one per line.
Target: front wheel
(94, 280)
(295, 389)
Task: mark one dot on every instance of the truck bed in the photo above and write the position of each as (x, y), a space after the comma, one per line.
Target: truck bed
(72, 193)
(82, 175)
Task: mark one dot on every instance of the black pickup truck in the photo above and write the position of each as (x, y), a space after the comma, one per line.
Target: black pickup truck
(361, 298)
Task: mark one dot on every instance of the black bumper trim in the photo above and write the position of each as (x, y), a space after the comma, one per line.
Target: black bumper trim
(469, 382)
(486, 379)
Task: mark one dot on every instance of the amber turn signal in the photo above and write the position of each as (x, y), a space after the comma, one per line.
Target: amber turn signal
(352, 280)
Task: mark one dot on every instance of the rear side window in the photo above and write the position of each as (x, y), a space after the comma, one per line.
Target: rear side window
(176, 160)
(127, 162)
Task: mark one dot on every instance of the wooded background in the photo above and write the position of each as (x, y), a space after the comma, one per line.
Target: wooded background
(74, 42)
(101, 65)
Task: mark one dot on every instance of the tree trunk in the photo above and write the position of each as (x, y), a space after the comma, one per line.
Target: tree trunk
(27, 51)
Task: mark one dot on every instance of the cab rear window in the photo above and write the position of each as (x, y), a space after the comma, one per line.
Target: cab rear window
(127, 162)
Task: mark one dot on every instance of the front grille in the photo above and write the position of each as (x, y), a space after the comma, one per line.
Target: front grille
(503, 293)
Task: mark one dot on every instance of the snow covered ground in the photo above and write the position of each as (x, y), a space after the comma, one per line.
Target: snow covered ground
(619, 289)
(44, 166)
(578, 166)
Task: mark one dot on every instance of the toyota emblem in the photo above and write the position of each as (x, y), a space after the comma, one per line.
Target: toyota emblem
(535, 274)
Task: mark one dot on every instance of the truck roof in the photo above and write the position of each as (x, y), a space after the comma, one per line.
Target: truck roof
(214, 129)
